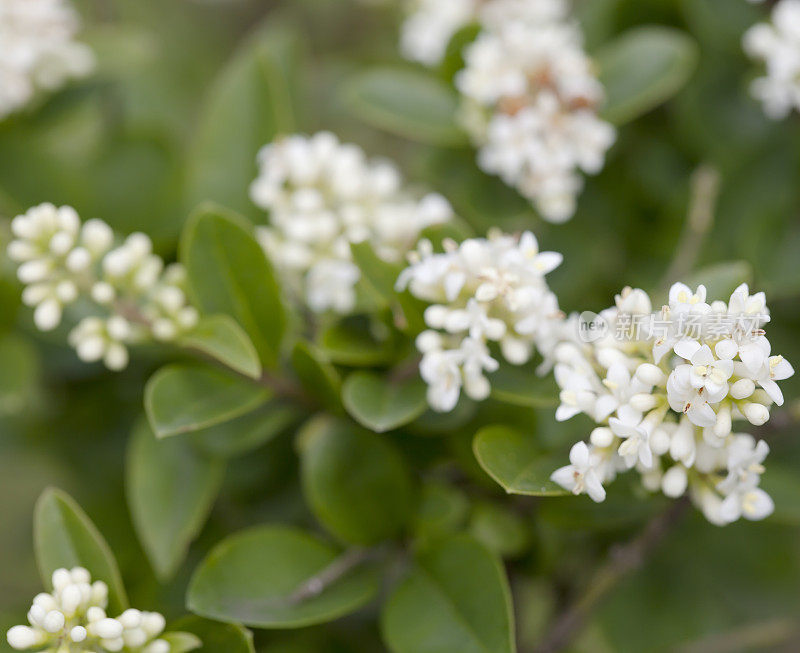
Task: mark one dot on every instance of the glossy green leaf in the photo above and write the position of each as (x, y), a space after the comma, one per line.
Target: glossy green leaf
(355, 482)
(355, 343)
(406, 102)
(317, 375)
(254, 99)
(221, 338)
(513, 460)
(379, 274)
(229, 273)
(258, 577)
(381, 404)
(184, 398)
(180, 642)
(643, 68)
(499, 528)
(456, 598)
(171, 488)
(442, 510)
(217, 637)
(521, 386)
(247, 432)
(65, 537)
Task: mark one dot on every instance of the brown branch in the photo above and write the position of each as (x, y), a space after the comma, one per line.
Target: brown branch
(339, 568)
(622, 559)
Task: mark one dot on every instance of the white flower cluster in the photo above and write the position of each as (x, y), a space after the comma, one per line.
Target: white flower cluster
(63, 261)
(485, 290)
(431, 24)
(665, 402)
(323, 195)
(778, 45)
(72, 618)
(37, 50)
(530, 104)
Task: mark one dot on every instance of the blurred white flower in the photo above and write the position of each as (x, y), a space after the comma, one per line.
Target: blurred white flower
(777, 44)
(323, 195)
(72, 618)
(485, 290)
(38, 50)
(665, 396)
(135, 298)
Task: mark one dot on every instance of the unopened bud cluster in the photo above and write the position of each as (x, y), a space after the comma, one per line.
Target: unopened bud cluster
(530, 94)
(72, 619)
(667, 404)
(323, 195)
(129, 294)
(777, 44)
(483, 291)
(38, 50)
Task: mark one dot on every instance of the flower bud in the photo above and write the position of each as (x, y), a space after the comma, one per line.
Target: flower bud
(674, 482)
(756, 414)
(742, 389)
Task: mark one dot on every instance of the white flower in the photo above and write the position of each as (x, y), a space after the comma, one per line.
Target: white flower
(72, 618)
(530, 101)
(323, 195)
(136, 298)
(581, 474)
(486, 290)
(777, 44)
(430, 26)
(667, 396)
(38, 50)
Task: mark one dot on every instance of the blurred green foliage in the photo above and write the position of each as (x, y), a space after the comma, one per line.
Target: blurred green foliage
(185, 94)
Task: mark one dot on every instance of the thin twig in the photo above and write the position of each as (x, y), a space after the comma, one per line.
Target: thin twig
(339, 568)
(754, 636)
(699, 219)
(622, 560)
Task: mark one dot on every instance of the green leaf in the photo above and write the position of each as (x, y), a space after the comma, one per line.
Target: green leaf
(255, 578)
(455, 599)
(406, 102)
(19, 373)
(253, 100)
(499, 528)
(171, 488)
(380, 404)
(242, 434)
(379, 274)
(317, 374)
(513, 460)
(521, 386)
(229, 273)
(217, 637)
(721, 279)
(354, 342)
(221, 338)
(181, 642)
(442, 510)
(355, 482)
(643, 68)
(184, 398)
(65, 537)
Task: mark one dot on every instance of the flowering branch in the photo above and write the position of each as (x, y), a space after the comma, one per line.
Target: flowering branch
(622, 560)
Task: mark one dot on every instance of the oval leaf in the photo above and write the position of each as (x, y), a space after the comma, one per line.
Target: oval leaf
(253, 100)
(406, 102)
(185, 398)
(381, 405)
(217, 637)
(255, 578)
(644, 68)
(64, 536)
(455, 599)
(181, 642)
(317, 374)
(221, 338)
(512, 459)
(229, 273)
(355, 482)
(170, 489)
